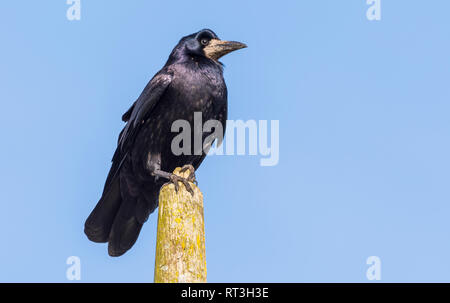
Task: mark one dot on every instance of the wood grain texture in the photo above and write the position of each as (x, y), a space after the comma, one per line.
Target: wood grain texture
(180, 247)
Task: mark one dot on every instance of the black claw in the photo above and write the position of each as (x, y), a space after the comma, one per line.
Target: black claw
(191, 177)
(189, 188)
(174, 179)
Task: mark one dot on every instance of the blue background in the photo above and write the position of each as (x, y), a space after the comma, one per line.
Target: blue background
(363, 107)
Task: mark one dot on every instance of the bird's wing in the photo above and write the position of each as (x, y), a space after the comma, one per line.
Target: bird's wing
(140, 109)
(112, 207)
(127, 115)
(149, 97)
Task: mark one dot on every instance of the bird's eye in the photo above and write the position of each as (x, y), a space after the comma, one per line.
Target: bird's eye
(204, 41)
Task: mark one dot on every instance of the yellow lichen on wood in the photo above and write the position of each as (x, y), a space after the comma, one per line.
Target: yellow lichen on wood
(180, 244)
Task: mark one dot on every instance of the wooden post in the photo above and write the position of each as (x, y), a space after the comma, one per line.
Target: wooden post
(180, 243)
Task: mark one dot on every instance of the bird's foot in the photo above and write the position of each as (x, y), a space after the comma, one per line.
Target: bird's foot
(191, 177)
(174, 179)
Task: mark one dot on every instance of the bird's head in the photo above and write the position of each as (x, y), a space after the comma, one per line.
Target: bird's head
(207, 44)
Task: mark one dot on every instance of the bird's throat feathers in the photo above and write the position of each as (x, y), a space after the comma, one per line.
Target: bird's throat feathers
(179, 57)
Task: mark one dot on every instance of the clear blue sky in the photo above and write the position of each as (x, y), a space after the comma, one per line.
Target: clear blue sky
(363, 106)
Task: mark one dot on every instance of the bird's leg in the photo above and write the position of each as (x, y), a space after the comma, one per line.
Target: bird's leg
(191, 176)
(174, 179)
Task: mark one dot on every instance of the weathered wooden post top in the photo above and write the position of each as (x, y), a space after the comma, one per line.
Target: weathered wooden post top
(180, 244)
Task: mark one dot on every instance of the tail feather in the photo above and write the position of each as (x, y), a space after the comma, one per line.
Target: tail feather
(125, 230)
(126, 227)
(147, 203)
(98, 225)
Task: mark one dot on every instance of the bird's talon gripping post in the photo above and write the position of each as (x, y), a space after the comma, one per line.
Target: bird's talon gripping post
(191, 177)
(174, 179)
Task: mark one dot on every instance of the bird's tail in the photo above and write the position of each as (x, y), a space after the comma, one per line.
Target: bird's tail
(131, 215)
(98, 225)
(124, 231)
(120, 213)
(113, 220)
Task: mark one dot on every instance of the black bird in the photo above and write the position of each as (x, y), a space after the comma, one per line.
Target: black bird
(190, 81)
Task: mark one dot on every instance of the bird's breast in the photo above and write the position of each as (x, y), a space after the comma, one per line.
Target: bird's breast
(198, 91)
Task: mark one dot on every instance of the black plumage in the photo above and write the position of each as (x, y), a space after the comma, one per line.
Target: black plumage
(190, 81)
